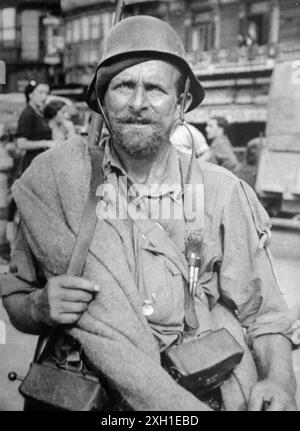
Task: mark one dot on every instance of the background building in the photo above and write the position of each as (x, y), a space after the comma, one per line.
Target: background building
(232, 45)
(30, 42)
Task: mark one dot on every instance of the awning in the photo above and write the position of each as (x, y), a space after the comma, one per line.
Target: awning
(233, 113)
(2, 72)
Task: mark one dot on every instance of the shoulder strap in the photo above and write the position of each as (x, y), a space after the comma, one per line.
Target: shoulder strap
(89, 218)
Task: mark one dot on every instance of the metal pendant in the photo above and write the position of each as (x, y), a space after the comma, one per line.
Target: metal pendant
(148, 310)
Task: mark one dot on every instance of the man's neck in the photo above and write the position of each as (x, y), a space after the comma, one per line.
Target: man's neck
(145, 170)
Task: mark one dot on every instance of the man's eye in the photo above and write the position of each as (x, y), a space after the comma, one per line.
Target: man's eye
(154, 88)
(125, 85)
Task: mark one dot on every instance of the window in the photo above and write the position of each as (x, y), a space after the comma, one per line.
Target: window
(69, 32)
(85, 28)
(30, 34)
(8, 26)
(202, 36)
(76, 30)
(255, 24)
(95, 26)
(107, 20)
(256, 29)
(100, 25)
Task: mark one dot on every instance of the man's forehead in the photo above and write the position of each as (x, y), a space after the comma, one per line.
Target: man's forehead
(152, 69)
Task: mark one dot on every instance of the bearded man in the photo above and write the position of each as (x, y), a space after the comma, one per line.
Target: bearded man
(132, 302)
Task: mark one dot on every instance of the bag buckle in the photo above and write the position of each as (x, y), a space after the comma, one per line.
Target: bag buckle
(72, 362)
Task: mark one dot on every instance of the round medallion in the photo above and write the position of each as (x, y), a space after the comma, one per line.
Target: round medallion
(148, 310)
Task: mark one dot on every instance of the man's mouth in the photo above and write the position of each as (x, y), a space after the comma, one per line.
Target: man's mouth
(136, 122)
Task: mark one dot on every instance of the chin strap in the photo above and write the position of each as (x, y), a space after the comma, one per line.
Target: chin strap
(103, 115)
(181, 118)
(184, 99)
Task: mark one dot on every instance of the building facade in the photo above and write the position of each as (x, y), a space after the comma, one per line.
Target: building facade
(232, 45)
(30, 42)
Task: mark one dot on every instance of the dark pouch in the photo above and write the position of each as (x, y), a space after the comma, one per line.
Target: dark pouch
(202, 364)
(61, 389)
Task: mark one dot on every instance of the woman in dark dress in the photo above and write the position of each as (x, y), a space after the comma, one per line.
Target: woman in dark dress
(33, 134)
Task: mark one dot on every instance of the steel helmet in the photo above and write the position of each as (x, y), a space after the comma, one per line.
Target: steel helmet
(149, 36)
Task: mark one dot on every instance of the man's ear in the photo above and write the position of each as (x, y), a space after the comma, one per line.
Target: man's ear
(187, 102)
(183, 105)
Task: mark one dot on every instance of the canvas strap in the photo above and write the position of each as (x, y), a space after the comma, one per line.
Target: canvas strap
(89, 217)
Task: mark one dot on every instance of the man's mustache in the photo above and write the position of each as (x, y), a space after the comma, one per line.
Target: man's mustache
(135, 119)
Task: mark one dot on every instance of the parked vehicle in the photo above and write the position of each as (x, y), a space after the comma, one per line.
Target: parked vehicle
(278, 176)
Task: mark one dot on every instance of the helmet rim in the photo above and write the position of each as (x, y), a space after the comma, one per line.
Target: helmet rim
(170, 49)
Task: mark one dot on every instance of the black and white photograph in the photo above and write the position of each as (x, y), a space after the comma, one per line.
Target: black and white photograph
(149, 208)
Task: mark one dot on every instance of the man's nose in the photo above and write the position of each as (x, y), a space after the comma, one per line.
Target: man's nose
(139, 99)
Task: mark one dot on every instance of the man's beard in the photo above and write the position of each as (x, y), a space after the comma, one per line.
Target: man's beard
(139, 136)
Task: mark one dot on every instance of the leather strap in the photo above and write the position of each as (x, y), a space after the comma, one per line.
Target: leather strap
(89, 218)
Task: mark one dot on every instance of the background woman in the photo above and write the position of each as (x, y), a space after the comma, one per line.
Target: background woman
(58, 118)
(34, 134)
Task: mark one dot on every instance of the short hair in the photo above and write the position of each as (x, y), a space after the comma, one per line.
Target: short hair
(222, 122)
(52, 108)
(30, 87)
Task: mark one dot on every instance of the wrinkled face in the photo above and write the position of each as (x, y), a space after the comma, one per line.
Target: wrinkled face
(141, 103)
(212, 129)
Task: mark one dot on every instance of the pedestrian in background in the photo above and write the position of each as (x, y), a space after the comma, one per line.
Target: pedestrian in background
(58, 118)
(33, 137)
(221, 149)
(247, 171)
(34, 134)
(184, 136)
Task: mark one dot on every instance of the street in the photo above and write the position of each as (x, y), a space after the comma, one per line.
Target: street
(285, 248)
(17, 353)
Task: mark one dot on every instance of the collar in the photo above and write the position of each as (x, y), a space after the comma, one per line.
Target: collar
(36, 109)
(170, 184)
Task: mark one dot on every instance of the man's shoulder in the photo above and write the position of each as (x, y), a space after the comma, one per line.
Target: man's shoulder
(219, 184)
(58, 174)
(223, 143)
(64, 163)
(218, 175)
(67, 153)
